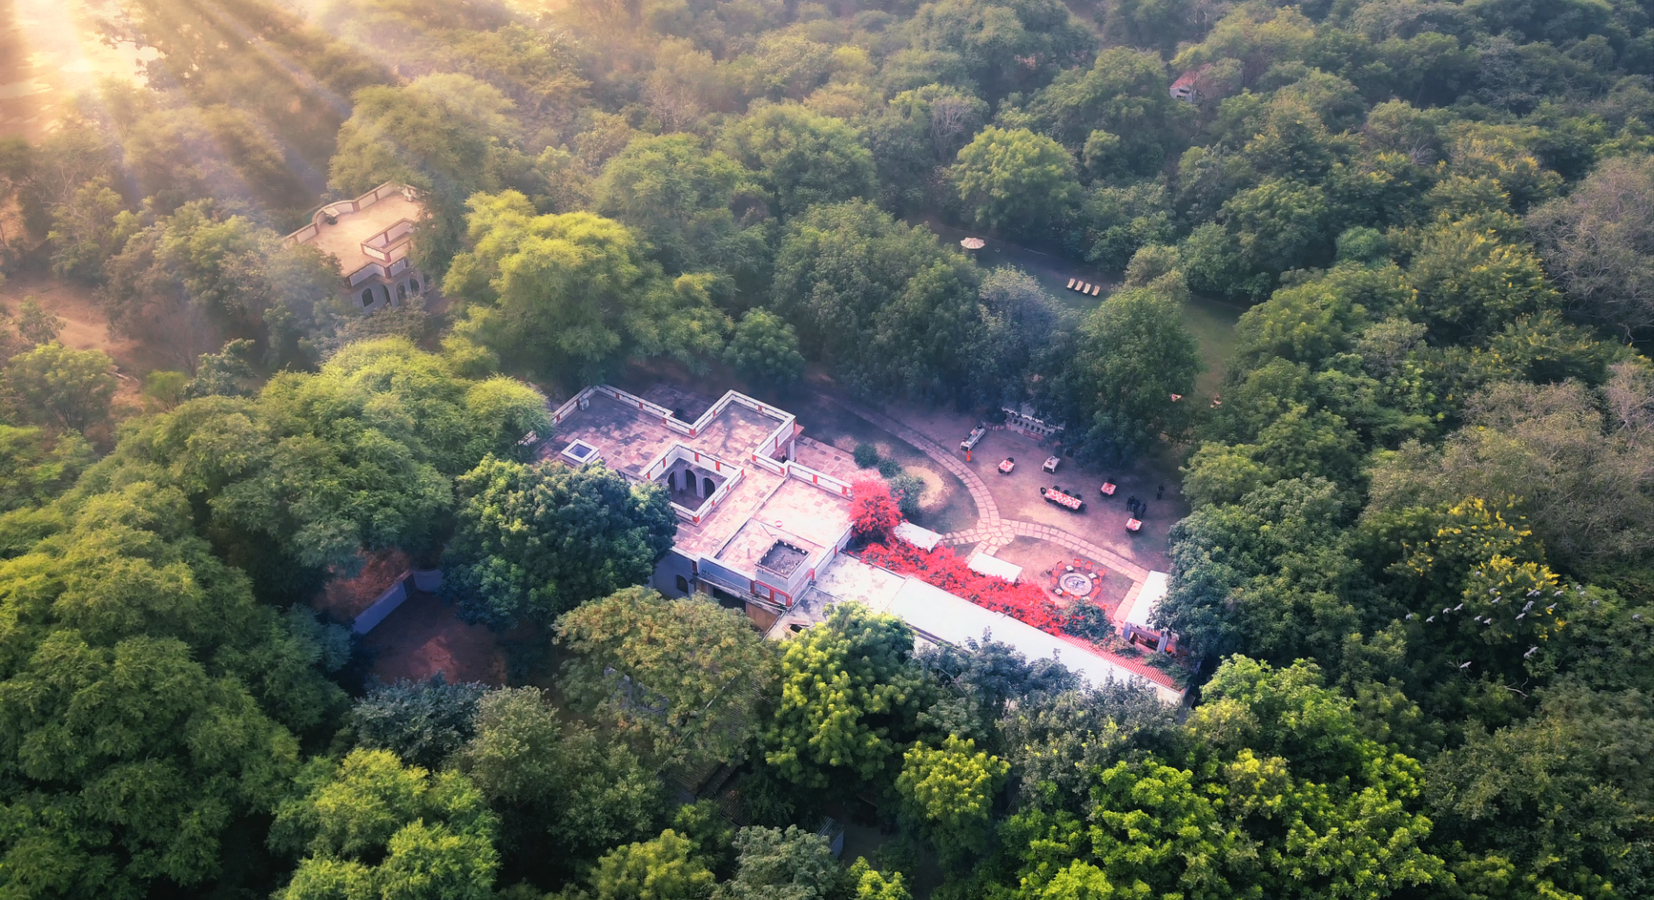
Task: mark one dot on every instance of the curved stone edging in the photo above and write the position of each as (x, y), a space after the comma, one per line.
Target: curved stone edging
(997, 534)
(990, 530)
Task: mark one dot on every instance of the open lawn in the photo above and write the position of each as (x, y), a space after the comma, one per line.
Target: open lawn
(1211, 321)
(1213, 324)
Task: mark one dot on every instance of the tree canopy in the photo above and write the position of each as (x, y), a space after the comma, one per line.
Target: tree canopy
(684, 680)
(535, 541)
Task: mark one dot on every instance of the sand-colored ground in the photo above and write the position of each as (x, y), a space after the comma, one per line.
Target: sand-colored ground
(86, 326)
(343, 599)
(424, 636)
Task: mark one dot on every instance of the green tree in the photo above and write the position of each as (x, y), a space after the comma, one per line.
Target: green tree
(892, 310)
(666, 868)
(88, 228)
(423, 723)
(849, 699)
(772, 864)
(800, 157)
(36, 325)
(1124, 94)
(1271, 575)
(227, 373)
(148, 702)
(64, 388)
(533, 542)
(764, 350)
(951, 790)
(1014, 180)
(369, 827)
(917, 132)
(319, 466)
(1021, 324)
(1547, 799)
(556, 784)
(203, 272)
(442, 134)
(871, 884)
(1549, 455)
(1289, 748)
(691, 204)
(1133, 354)
(684, 680)
(1469, 281)
(164, 389)
(573, 294)
(35, 466)
(1001, 47)
(1157, 833)
(16, 163)
(1119, 221)
(1281, 795)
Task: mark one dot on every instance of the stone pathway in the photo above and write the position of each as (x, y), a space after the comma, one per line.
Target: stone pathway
(991, 531)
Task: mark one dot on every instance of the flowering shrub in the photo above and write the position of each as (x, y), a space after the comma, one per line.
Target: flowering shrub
(873, 512)
(941, 568)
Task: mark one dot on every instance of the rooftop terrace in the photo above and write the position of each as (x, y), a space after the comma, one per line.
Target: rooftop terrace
(634, 436)
(358, 220)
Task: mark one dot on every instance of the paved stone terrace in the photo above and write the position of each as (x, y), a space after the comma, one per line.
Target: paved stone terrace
(991, 531)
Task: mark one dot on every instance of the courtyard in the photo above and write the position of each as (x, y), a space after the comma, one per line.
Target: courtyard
(972, 504)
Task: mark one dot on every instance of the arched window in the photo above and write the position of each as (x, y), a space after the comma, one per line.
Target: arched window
(683, 585)
(367, 297)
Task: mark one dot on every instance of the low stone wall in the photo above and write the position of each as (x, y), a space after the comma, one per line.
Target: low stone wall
(428, 580)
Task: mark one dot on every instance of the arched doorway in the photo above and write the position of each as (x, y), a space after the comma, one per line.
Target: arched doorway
(672, 482)
(710, 487)
(367, 297)
(413, 285)
(401, 292)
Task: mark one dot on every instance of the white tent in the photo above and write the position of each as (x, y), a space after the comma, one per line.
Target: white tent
(983, 564)
(939, 616)
(923, 538)
(1148, 599)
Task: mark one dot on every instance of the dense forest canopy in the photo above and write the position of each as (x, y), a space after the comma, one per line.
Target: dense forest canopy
(1416, 578)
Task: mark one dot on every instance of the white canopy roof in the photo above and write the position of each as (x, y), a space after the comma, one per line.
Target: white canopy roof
(1148, 599)
(983, 564)
(923, 538)
(940, 616)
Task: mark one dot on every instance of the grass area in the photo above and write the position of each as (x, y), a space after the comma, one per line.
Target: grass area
(1213, 324)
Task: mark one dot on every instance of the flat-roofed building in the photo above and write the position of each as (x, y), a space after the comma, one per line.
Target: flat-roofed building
(370, 236)
(755, 526)
(761, 531)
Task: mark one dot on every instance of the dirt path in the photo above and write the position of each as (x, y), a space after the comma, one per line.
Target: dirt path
(85, 326)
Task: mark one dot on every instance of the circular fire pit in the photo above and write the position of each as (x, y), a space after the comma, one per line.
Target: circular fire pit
(1076, 584)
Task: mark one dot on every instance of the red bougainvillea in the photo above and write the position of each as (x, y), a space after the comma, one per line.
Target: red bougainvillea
(940, 568)
(873, 512)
